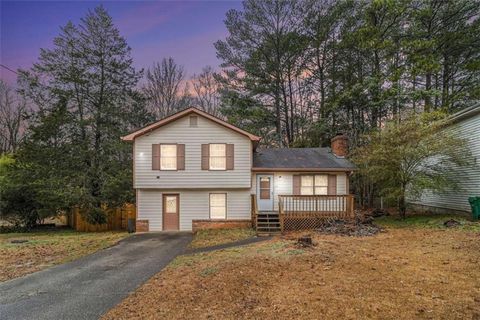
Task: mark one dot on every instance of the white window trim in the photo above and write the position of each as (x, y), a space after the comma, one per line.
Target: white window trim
(210, 157)
(162, 157)
(210, 205)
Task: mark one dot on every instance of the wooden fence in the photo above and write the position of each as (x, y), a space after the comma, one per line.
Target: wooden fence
(117, 219)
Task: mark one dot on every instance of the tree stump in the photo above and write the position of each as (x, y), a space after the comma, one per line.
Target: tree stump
(305, 241)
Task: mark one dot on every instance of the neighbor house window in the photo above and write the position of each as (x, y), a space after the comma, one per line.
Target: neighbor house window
(218, 156)
(168, 157)
(218, 205)
(317, 184)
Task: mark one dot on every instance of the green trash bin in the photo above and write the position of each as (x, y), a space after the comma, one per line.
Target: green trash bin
(475, 203)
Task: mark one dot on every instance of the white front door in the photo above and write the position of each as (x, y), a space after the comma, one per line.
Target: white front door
(265, 192)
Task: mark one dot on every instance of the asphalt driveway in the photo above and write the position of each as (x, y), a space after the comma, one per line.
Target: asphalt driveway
(88, 287)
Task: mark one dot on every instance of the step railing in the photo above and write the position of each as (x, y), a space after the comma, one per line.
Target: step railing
(254, 206)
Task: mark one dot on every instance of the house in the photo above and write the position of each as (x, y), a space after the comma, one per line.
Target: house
(466, 124)
(192, 170)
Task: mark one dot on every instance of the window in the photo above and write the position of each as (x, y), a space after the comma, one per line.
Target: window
(218, 205)
(168, 154)
(218, 156)
(170, 204)
(321, 184)
(265, 188)
(193, 121)
(306, 187)
(317, 184)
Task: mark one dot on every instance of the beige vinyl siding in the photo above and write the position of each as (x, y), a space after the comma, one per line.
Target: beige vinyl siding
(193, 176)
(283, 184)
(194, 204)
(470, 177)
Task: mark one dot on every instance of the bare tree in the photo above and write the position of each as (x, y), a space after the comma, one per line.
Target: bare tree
(12, 108)
(164, 87)
(206, 90)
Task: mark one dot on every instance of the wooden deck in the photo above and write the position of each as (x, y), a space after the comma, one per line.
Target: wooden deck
(309, 212)
(302, 212)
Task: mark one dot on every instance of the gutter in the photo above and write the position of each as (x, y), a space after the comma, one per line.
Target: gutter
(464, 114)
(263, 169)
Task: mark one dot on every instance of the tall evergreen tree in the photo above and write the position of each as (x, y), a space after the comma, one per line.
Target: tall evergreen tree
(321, 67)
(263, 56)
(88, 79)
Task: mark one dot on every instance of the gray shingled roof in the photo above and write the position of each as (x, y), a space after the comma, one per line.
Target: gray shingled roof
(293, 158)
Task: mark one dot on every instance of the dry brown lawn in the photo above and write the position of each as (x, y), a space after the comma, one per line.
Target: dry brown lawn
(404, 273)
(212, 237)
(45, 249)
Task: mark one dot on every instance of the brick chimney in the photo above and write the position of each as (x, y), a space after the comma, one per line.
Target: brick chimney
(339, 145)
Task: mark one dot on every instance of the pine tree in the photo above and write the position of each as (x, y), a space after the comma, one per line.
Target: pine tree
(88, 74)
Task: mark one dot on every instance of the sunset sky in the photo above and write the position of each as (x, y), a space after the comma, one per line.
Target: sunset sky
(184, 30)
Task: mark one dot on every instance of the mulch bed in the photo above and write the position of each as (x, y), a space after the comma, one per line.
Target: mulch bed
(358, 228)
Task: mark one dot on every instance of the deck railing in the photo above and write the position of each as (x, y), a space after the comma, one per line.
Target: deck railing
(254, 206)
(308, 211)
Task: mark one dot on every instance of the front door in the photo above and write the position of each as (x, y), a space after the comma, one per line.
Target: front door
(265, 192)
(171, 211)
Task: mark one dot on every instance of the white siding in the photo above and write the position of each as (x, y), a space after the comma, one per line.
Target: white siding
(193, 176)
(149, 207)
(458, 200)
(283, 184)
(194, 204)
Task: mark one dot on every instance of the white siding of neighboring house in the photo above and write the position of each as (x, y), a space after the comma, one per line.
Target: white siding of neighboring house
(470, 178)
(193, 176)
(194, 204)
(283, 184)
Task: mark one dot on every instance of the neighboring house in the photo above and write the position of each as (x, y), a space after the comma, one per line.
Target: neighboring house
(466, 124)
(192, 169)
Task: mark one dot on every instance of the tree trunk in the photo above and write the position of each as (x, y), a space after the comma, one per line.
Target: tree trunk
(428, 87)
(402, 207)
(445, 76)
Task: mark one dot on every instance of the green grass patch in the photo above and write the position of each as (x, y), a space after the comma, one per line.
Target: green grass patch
(295, 252)
(213, 237)
(208, 271)
(276, 248)
(427, 221)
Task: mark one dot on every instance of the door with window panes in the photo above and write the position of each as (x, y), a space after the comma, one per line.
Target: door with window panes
(265, 192)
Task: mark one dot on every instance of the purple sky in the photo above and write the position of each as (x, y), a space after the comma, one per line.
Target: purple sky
(185, 30)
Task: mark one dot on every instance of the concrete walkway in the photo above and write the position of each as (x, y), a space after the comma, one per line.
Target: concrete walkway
(88, 287)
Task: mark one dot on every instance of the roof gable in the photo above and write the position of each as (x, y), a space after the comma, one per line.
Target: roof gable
(181, 114)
